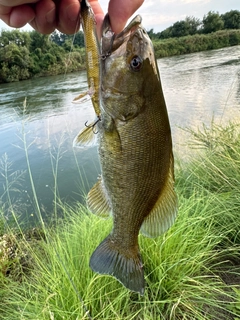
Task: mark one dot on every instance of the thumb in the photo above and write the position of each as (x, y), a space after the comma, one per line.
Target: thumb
(120, 11)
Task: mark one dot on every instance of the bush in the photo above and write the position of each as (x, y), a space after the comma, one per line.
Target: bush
(183, 267)
(196, 43)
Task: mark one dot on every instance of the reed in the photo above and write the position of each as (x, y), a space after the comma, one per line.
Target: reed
(183, 267)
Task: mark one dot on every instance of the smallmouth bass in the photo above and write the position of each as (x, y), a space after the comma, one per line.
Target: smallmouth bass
(135, 151)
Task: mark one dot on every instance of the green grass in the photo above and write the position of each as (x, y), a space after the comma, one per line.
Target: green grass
(215, 171)
(235, 307)
(195, 43)
(183, 268)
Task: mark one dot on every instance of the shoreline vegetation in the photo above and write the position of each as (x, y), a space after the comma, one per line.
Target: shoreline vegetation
(192, 271)
(25, 55)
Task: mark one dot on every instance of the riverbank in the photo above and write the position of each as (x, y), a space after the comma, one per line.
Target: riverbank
(29, 55)
(196, 43)
(192, 271)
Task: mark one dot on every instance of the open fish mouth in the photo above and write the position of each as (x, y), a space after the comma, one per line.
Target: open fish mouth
(111, 41)
(135, 153)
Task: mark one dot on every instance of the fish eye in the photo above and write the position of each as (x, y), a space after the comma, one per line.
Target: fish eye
(136, 63)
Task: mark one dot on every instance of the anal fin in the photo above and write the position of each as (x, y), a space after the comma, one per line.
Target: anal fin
(164, 211)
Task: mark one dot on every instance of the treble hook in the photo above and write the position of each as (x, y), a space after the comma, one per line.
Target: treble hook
(93, 125)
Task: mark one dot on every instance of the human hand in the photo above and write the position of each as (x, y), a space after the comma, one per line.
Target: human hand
(43, 15)
(120, 11)
(47, 15)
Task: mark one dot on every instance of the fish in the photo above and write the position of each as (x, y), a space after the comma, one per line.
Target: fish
(92, 57)
(136, 187)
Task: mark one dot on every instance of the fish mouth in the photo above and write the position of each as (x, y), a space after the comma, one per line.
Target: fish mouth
(112, 41)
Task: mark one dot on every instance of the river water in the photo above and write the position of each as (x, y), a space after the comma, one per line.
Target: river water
(196, 87)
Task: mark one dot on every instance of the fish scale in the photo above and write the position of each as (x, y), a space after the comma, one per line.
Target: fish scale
(92, 56)
(135, 152)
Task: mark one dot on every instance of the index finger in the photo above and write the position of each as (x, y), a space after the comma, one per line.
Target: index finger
(15, 3)
(99, 15)
(18, 16)
(120, 11)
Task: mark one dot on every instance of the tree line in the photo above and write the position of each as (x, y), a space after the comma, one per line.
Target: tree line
(211, 22)
(214, 31)
(27, 54)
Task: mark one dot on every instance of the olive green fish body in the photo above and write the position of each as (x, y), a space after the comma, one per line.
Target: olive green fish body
(135, 151)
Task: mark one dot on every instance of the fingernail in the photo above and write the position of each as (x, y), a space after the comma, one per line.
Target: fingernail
(71, 13)
(51, 16)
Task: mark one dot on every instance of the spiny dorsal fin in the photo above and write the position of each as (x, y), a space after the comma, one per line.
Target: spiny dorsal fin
(97, 200)
(164, 211)
(86, 137)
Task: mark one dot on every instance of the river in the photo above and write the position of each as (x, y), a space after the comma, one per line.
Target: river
(196, 87)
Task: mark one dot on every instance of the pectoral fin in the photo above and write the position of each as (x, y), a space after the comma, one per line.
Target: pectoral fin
(164, 212)
(97, 200)
(86, 137)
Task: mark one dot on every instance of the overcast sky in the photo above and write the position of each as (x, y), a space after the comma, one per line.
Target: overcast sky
(160, 14)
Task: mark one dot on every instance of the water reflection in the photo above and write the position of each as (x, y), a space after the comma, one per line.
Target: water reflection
(198, 86)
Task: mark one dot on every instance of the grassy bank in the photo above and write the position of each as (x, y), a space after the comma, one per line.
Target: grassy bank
(195, 43)
(191, 272)
(25, 55)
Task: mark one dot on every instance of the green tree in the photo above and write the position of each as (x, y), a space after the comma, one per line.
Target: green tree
(56, 37)
(165, 34)
(48, 59)
(151, 34)
(181, 28)
(212, 22)
(39, 41)
(57, 51)
(25, 54)
(14, 63)
(231, 19)
(68, 45)
(78, 39)
(20, 38)
(192, 24)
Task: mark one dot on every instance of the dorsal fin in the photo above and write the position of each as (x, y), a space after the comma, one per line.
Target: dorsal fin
(164, 211)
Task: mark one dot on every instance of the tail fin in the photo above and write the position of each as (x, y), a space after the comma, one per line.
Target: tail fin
(107, 259)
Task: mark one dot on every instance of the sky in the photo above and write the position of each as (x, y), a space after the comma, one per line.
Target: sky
(160, 14)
